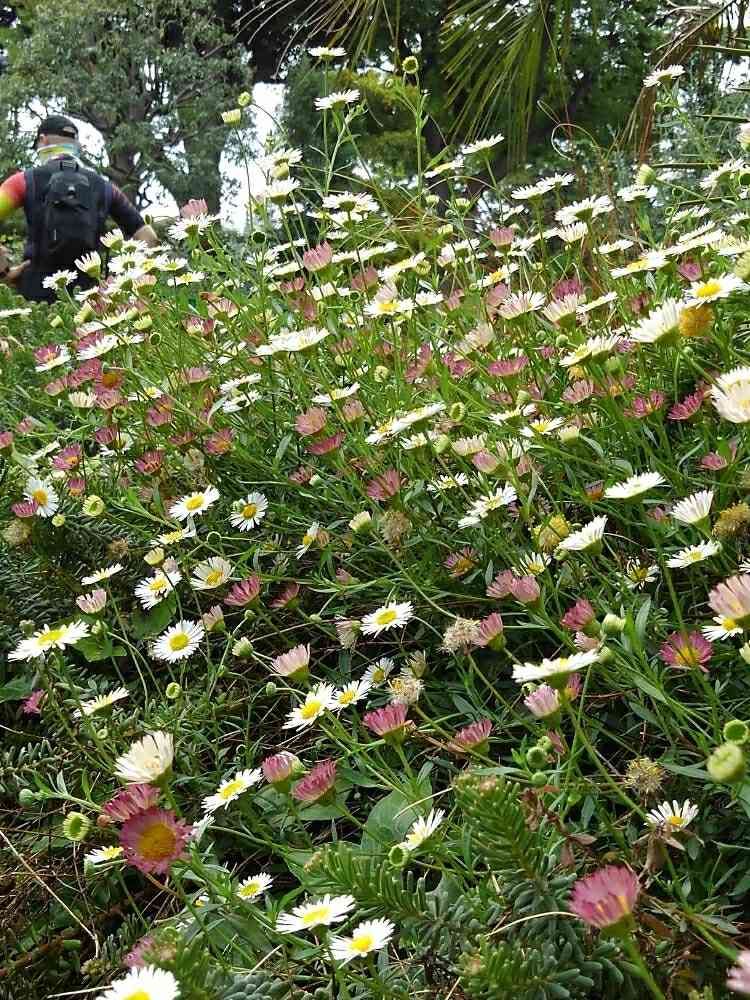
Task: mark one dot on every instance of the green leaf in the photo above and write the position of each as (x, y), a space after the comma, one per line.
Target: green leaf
(648, 688)
(156, 620)
(15, 690)
(388, 821)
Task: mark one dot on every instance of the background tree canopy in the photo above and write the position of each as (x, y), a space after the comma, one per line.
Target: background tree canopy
(153, 77)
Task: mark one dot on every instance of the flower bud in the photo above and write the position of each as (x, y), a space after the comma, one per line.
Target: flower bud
(606, 655)
(232, 117)
(457, 412)
(26, 797)
(397, 856)
(432, 199)
(103, 733)
(536, 757)
(58, 520)
(76, 826)
(55, 322)
(410, 65)
(173, 691)
(244, 99)
(381, 373)
(271, 689)
(645, 175)
(736, 731)
(569, 434)
(243, 648)
(612, 625)
(522, 397)
(726, 764)
(443, 442)
(745, 652)
(445, 230)
(538, 779)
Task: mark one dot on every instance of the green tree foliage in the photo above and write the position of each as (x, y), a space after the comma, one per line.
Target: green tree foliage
(151, 77)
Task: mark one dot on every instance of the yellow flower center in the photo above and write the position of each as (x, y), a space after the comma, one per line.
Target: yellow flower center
(249, 510)
(687, 656)
(138, 995)
(386, 617)
(178, 642)
(156, 842)
(231, 789)
(157, 584)
(675, 820)
(387, 307)
(316, 916)
(707, 289)
(51, 636)
(363, 943)
(310, 709)
(194, 503)
(41, 497)
(695, 555)
(346, 697)
(173, 536)
(214, 577)
(251, 889)
(728, 624)
(378, 676)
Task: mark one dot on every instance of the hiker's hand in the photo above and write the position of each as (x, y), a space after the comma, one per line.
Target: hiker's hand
(11, 278)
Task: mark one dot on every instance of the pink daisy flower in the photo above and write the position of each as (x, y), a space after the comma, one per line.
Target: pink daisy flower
(389, 722)
(281, 768)
(316, 258)
(285, 597)
(243, 593)
(607, 897)
(294, 664)
(152, 840)
(472, 737)
(686, 650)
(579, 616)
(317, 784)
(131, 801)
(688, 407)
(384, 486)
(490, 631)
(325, 445)
(311, 421)
(31, 704)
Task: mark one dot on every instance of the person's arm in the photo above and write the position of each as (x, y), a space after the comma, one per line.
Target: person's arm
(130, 220)
(12, 194)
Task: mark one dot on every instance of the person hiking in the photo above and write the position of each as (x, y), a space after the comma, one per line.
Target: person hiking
(66, 207)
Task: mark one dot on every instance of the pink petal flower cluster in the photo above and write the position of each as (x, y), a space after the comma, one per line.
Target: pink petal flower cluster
(607, 897)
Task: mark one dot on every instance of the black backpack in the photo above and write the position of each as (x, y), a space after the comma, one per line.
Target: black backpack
(68, 207)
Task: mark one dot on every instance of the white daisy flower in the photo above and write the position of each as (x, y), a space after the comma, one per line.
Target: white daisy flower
(317, 913)
(391, 615)
(292, 341)
(336, 99)
(323, 52)
(634, 486)
(49, 638)
(638, 574)
(422, 829)
(714, 288)
(179, 641)
(145, 983)
(211, 573)
(307, 539)
(584, 538)
(694, 508)
(554, 669)
(103, 854)
(659, 323)
(350, 694)
(694, 554)
(326, 398)
(443, 483)
(367, 937)
(317, 701)
(723, 628)
(665, 75)
(231, 789)
(153, 589)
(672, 816)
(43, 495)
(194, 503)
(101, 702)
(102, 574)
(147, 760)
(482, 144)
(256, 885)
(177, 535)
(484, 506)
(378, 671)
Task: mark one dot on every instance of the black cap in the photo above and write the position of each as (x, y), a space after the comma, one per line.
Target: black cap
(58, 125)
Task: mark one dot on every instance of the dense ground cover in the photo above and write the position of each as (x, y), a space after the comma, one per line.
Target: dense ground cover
(376, 599)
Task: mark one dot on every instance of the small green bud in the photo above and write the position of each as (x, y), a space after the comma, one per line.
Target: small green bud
(155, 339)
(457, 412)
(26, 626)
(432, 199)
(522, 397)
(58, 520)
(93, 506)
(397, 856)
(26, 797)
(232, 117)
(562, 340)
(315, 618)
(76, 826)
(248, 614)
(613, 365)
(745, 652)
(55, 322)
(441, 443)
(726, 764)
(606, 655)
(612, 625)
(536, 757)
(545, 744)
(173, 691)
(244, 99)
(736, 731)
(243, 648)
(645, 175)
(102, 733)
(445, 230)
(410, 65)
(271, 689)
(538, 779)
